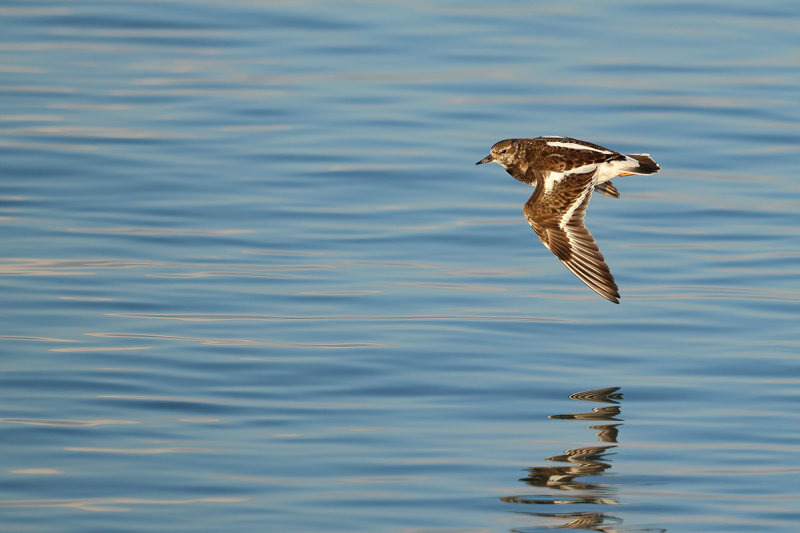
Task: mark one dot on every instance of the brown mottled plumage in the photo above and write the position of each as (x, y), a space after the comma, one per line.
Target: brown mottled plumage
(565, 171)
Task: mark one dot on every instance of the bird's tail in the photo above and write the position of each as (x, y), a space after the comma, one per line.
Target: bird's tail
(646, 165)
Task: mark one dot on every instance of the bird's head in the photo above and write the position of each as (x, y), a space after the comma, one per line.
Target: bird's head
(502, 153)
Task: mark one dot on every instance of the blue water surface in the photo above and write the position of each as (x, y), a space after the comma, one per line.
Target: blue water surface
(251, 279)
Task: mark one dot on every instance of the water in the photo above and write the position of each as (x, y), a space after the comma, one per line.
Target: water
(253, 281)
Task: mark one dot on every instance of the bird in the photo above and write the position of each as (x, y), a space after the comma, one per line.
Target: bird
(565, 172)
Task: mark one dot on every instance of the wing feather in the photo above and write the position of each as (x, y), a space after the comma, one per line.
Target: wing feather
(557, 217)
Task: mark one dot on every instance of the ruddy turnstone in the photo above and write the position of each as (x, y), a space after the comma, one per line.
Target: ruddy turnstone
(565, 171)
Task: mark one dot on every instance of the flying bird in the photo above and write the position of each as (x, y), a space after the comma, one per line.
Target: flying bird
(565, 172)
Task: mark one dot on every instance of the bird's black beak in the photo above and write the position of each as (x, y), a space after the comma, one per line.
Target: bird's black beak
(487, 159)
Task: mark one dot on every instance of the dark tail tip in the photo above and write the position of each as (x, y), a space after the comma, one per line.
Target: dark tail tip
(646, 164)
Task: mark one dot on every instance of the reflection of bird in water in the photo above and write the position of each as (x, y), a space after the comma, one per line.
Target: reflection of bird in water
(586, 521)
(607, 395)
(584, 462)
(607, 412)
(588, 455)
(606, 433)
(565, 171)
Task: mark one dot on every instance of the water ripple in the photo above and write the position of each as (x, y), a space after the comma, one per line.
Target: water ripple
(114, 504)
(251, 275)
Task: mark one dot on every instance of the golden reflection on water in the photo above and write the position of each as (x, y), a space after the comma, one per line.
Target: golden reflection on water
(103, 349)
(209, 317)
(138, 451)
(101, 132)
(37, 471)
(113, 504)
(207, 341)
(31, 338)
(24, 266)
(61, 422)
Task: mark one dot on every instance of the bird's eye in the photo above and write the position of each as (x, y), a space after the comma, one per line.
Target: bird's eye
(502, 151)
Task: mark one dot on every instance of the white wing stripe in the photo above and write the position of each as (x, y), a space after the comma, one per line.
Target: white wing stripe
(576, 146)
(551, 178)
(567, 216)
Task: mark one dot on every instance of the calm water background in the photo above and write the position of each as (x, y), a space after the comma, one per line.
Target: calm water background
(251, 279)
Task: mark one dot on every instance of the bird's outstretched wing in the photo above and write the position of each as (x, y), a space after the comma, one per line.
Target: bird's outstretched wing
(556, 213)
